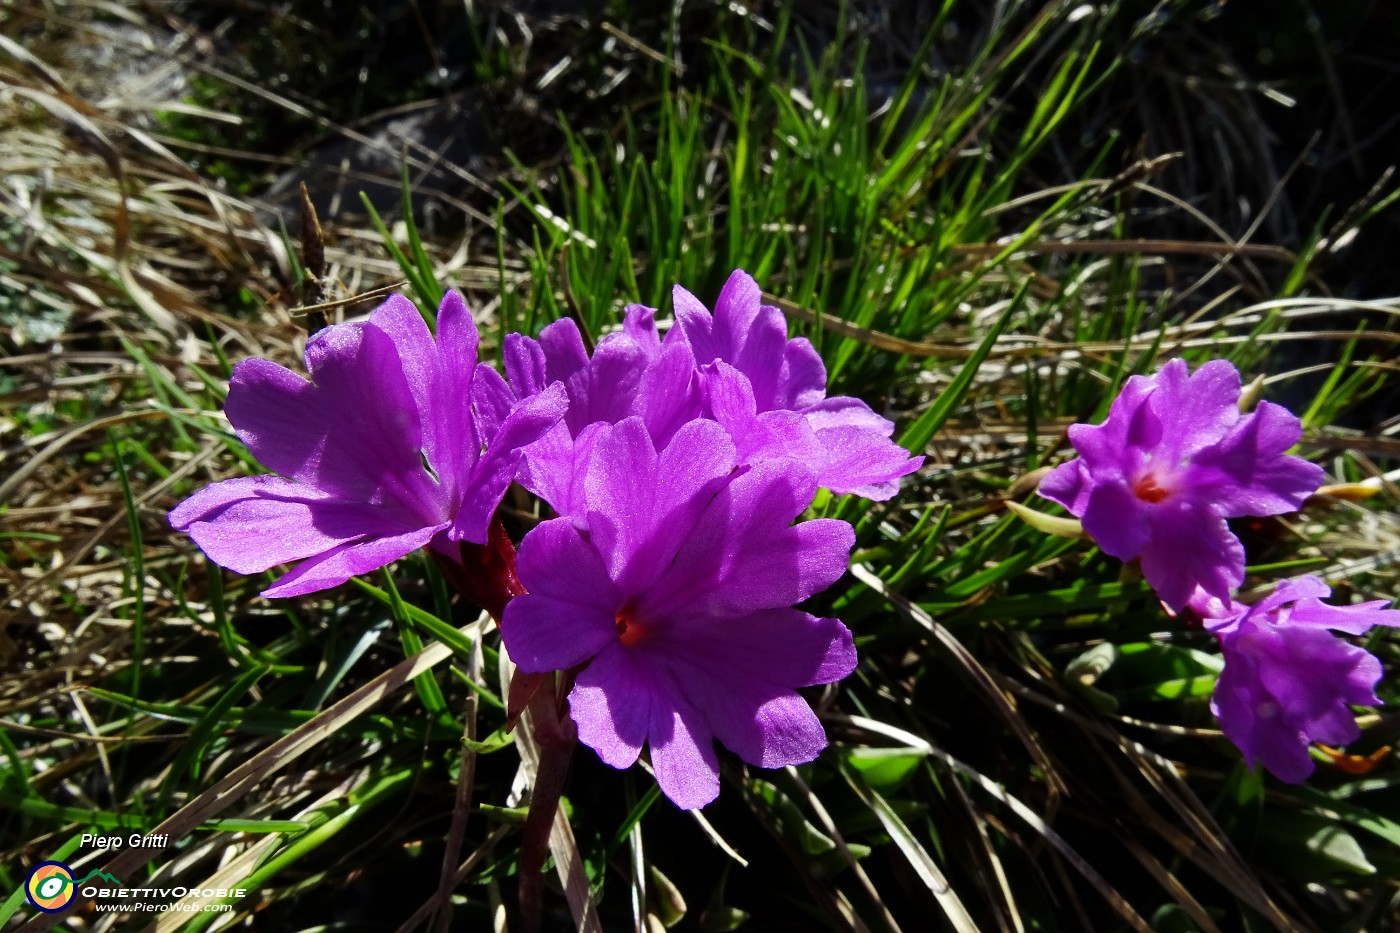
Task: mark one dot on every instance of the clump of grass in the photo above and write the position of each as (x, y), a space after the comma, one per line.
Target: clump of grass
(1022, 747)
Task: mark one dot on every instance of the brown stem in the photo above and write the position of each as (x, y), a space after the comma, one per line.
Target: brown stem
(555, 736)
(485, 574)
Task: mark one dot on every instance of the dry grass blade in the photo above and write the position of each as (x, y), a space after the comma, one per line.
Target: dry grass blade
(269, 761)
(236, 869)
(1029, 816)
(917, 856)
(814, 803)
(568, 862)
(998, 698)
(874, 338)
(1224, 862)
(1171, 883)
(425, 910)
(1007, 911)
(1203, 841)
(30, 466)
(1025, 813)
(461, 810)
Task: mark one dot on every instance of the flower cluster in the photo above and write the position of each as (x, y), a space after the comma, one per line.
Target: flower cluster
(1172, 461)
(385, 452)
(736, 367)
(677, 594)
(1156, 482)
(677, 466)
(1288, 681)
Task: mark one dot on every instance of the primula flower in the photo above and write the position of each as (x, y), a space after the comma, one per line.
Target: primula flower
(379, 455)
(852, 453)
(737, 367)
(678, 597)
(1288, 681)
(1173, 460)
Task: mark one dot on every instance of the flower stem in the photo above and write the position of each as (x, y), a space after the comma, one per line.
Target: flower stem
(485, 574)
(555, 736)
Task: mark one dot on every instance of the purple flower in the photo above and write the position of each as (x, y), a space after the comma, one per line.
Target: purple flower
(379, 456)
(1173, 460)
(678, 597)
(736, 366)
(852, 451)
(1288, 681)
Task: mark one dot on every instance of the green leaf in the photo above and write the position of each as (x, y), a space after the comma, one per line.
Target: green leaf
(1150, 671)
(885, 769)
(492, 743)
(1309, 846)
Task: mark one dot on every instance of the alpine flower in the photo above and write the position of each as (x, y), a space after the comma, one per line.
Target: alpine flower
(1288, 681)
(379, 455)
(676, 598)
(743, 348)
(1172, 461)
(736, 366)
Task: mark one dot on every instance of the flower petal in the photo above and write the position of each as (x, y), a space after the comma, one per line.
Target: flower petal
(494, 472)
(544, 634)
(608, 387)
(1313, 675)
(277, 415)
(770, 435)
(742, 556)
(1285, 686)
(803, 383)
(753, 337)
(640, 503)
(1251, 721)
(568, 614)
(1247, 473)
(611, 704)
(399, 320)
(846, 412)
(1196, 410)
(761, 722)
(371, 422)
(861, 462)
(252, 523)
(555, 469)
(696, 326)
(556, 561)
(620, 489)
(683, 752)
(1131, 430)
(1069, 484)
(349, 560)
(668, 394)
(639, 323)
(1307, 586)
(492, 400)
(565, 356)
(737, 309)
(1119, 522)
(786, 647)
(450, 440)
(1190, 547)
(1356, 619)
(524, 362)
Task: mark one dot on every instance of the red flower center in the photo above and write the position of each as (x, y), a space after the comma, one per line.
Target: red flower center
(629, 631)
(1148, 491)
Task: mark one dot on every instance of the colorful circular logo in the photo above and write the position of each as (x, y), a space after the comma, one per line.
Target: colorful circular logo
(50, 886)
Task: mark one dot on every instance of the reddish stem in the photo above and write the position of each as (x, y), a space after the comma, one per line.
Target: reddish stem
(555, 738)
(485, 574)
